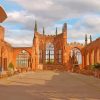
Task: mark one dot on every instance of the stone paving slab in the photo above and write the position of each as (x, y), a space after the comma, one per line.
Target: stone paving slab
(50, 85)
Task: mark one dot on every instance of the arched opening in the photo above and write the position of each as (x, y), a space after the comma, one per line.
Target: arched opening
(87, 62)
(76, 56)
(23, 59)
(98, 56)
(92, 57)
(50, 53)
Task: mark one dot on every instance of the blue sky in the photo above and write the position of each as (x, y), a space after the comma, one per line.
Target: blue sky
(81, 16)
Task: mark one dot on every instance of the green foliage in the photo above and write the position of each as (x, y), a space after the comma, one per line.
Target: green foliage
(75, 65)
(50, 62)
(11, 66)
(96, 66)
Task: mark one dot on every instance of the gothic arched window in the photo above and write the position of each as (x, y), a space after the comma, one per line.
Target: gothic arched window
(76, 55)
(22, 59)
(50, 53)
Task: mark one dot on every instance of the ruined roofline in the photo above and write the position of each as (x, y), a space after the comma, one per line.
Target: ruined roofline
(40, 34)
(75, 44)
(97, 39)
(93, 42)
(64, 30)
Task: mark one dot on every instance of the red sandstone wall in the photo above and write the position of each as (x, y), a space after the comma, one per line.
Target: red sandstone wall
(90, 58)
(1, 33)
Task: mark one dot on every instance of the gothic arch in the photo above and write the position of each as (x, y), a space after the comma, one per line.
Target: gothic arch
(18, 50)
(23, 59)
(77, 53)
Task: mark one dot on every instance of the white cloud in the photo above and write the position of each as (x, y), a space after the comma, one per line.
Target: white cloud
(34, 4)
(22, 18)
(47, 12)
(21, 43)
(88, 24)
(15, 38)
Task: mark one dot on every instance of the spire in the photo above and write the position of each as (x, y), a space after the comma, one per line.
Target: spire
(90, 38)
(64, 29)
(56, 31)
(85, 39)
(35, 28)
(43, 31)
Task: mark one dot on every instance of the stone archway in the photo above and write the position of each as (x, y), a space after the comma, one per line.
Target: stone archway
(17, 51)
(75, 59)
(23, 59)
(76, 56)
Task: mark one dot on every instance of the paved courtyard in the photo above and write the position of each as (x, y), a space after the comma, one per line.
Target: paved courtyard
(50, 85)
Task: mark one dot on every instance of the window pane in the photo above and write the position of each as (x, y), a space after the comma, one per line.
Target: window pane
(47, 56)
(50, 53)
(22, 59)
(51, 56)
(47, 51)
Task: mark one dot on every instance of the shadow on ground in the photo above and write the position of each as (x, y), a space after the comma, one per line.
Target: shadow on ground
(59, 86)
